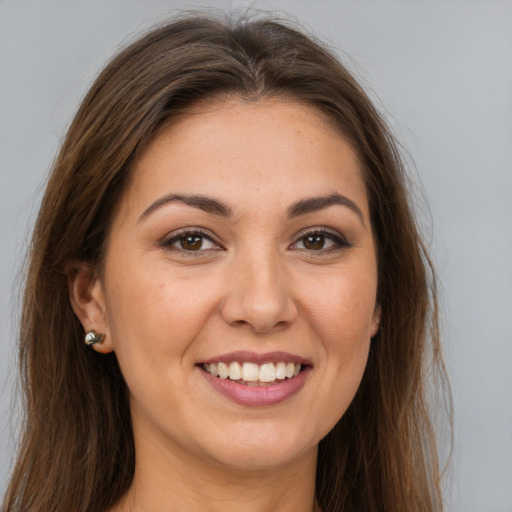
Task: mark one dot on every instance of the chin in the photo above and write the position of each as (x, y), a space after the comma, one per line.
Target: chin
(265, 447)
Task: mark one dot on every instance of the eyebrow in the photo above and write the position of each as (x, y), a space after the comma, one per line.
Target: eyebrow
(207, 204)
(315, 204)
(216, 207)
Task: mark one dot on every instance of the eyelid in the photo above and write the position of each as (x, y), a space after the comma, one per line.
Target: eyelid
(339, 239)
(171, 238)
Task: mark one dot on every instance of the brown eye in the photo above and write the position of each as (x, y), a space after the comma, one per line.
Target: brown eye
(321, 241)
(191, 243)
(314, 242)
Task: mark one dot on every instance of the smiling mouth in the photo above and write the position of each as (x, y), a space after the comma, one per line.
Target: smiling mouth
(253, 374)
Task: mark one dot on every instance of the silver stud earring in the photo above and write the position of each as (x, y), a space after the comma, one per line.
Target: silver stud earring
(93, 337)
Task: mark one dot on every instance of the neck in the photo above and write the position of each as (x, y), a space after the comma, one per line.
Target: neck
(166, 480)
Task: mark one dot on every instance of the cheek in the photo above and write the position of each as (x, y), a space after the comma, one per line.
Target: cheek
(154, 313)
(341, 314)
(342, 306)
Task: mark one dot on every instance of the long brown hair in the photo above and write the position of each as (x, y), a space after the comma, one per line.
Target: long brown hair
(76, 450)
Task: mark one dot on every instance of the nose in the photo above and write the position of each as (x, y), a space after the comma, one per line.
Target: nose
(259, 295)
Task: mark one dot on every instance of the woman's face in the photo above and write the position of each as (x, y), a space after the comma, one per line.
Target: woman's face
(241, 246)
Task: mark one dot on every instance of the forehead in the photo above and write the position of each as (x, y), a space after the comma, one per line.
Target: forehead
(251, 152)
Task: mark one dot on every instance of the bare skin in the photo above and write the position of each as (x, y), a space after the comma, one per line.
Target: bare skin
(245, 227)
(289, 488)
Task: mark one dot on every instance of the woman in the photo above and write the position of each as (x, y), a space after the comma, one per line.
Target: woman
(228, 304)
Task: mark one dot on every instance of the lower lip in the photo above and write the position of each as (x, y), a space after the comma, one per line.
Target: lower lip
(257, 396)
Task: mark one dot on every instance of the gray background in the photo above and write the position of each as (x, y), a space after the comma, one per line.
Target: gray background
(441, 72)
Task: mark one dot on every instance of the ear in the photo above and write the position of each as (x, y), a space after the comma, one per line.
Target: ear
(88, 302)
(376, 321)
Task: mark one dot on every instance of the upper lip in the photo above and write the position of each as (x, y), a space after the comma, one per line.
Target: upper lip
(244, 356)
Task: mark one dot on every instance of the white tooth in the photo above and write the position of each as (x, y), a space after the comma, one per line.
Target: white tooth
(280, 371)
(223, 371)
(296, 370)
(235, 371)
(267, 372)
(290, 368)
(250, 372)
(214, 369)
(206, 367)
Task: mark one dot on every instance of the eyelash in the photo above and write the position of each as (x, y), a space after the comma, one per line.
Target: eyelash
(189, 233)
(339, 242)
